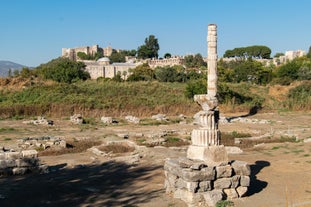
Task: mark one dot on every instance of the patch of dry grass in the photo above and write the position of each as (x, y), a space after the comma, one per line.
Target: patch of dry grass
(117, 148)
(72, 147)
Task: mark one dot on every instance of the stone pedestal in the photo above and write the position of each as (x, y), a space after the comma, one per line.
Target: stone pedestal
(212, 155)
(199, 184)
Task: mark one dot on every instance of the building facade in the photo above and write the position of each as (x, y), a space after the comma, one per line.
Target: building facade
(71, 53)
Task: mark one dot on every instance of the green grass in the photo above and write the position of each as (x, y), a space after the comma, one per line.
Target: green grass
(7, 129)
(297, 151)
(137, 98)
(142, 97)
(224, 203)
(276, 147)
(7, 139)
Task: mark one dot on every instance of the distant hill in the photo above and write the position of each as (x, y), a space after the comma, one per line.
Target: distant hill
(5, 66)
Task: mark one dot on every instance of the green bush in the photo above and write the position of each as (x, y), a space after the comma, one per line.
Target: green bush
(195, 87)
(63, 70)
(300, 96)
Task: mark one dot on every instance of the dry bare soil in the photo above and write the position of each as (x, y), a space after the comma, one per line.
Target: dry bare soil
(281, 172)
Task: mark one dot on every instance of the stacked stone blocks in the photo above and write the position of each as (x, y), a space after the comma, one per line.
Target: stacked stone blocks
(19, 163)
(198, 184)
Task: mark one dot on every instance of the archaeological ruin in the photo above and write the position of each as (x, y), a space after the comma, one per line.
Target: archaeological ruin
(206, 176)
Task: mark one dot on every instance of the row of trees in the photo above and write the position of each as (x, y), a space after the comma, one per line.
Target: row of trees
(60, 70)
(256, 51)
(175, 73)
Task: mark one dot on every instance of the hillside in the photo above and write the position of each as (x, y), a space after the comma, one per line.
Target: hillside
(5, 66)
(30, 97)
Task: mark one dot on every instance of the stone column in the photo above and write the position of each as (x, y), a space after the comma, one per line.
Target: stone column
(206, 140)
(212, 61)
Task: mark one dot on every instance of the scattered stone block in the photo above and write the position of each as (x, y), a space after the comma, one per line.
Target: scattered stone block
(12, 155)
(212, 197)
(241, 190)
(241, 168)
(76, 119)
(233, 150)
(29, 153)
(19, 170)
(245, 181)
(222, 183)
(132, 119)
(106, 120)
(190, 186)
(231, 193)
(192, 199)
(160, 117)
(196, 175)
(235, 181)
(205, 186)
(26, 162)
(212, 155)
(224, 171)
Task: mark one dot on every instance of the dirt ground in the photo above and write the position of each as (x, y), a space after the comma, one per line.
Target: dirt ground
(281, 172)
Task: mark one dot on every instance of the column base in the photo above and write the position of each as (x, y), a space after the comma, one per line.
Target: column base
(211, 155)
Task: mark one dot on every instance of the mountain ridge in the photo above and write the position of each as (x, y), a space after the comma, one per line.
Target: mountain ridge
(6, 65)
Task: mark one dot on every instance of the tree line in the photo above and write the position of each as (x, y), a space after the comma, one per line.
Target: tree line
(256, 51)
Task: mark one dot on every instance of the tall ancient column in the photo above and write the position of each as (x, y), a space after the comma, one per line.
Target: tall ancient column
(206, 140)
(212, 61)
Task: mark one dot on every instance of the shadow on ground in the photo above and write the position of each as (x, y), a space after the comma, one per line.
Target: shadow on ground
(251, 112)
(108, 184)
(257, 185)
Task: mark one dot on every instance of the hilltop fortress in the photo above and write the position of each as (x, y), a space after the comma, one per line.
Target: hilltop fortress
(104, 68)
(71, 53)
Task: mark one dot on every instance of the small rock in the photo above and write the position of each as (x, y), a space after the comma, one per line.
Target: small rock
(160, 117)
(132, 119)
(76, 119)
(106, 120)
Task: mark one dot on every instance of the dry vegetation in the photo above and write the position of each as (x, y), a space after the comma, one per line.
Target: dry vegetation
(72, 147)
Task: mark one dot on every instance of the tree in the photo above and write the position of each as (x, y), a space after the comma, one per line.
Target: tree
(84, 56)
(278, 54)
(167, 55)
(194, 61)
(290, 69)
(10, 73)
(26, 73)
(141, 73)
(166, 74)
(256, 51)
(149, 49)
(117, 57)
(16, 73)
(63, 70)
(309, 53)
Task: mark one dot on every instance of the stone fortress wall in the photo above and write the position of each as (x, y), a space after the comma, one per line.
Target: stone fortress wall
(71, 53)
(103, 68)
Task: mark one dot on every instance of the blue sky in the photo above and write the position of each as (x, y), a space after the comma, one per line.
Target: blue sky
(34, 31)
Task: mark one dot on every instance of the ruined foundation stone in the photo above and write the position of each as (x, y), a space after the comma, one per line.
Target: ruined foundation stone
(43, 142)
(197, 183)
(19, 163)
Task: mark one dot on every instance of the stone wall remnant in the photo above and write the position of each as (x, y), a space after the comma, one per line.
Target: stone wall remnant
(20, 163)
(41, 142)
